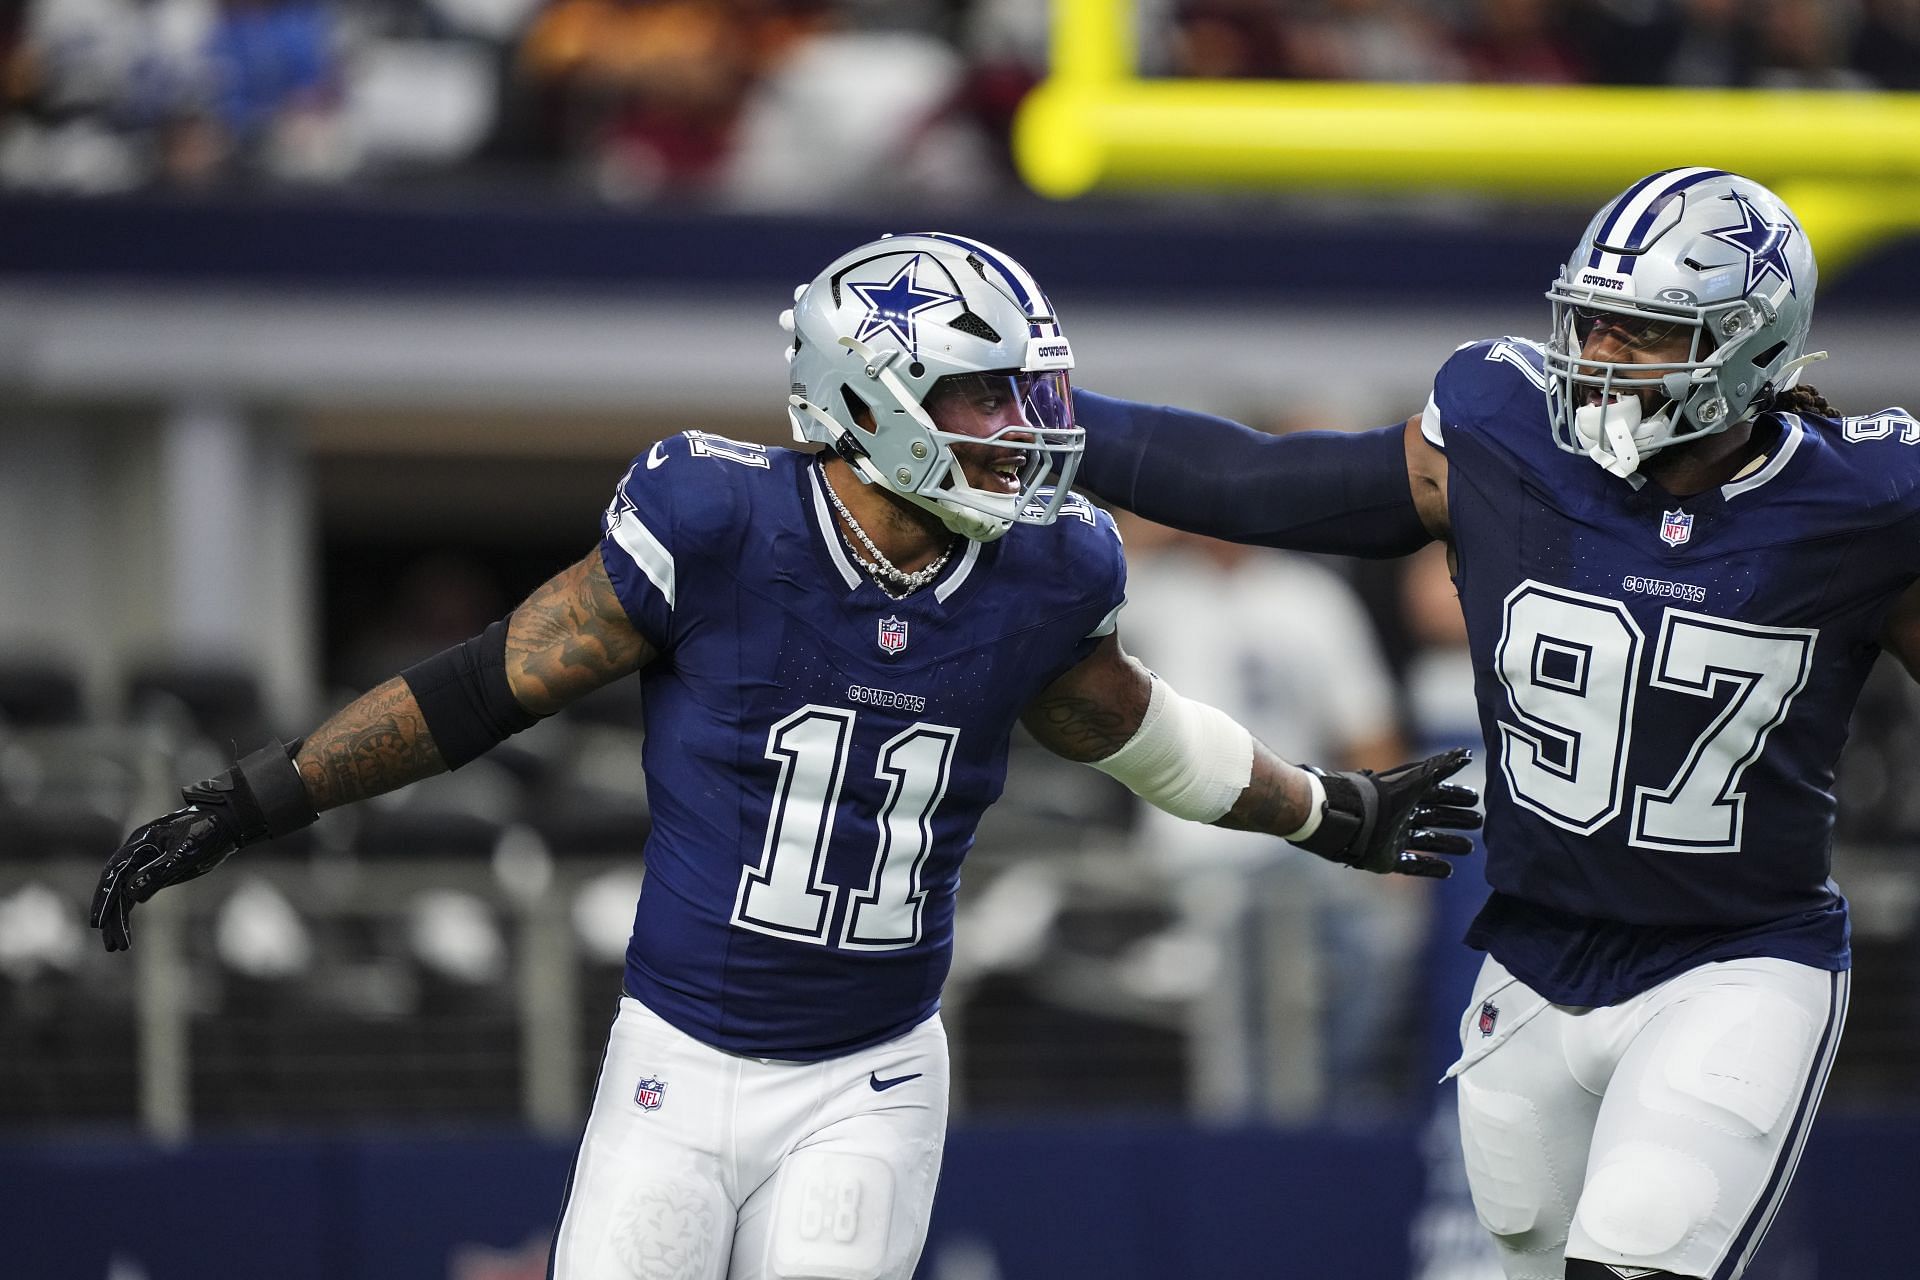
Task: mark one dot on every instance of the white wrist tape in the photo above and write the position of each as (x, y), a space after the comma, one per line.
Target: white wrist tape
(1316, 807)
(1187, 758)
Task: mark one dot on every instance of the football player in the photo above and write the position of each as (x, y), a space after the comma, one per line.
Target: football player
(1676, 568)
(835, 647)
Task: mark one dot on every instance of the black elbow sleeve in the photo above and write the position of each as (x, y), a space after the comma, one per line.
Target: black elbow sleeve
(464, 695)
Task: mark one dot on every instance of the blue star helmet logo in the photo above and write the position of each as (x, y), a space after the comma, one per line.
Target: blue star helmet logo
(892, 307)
(1764, 243)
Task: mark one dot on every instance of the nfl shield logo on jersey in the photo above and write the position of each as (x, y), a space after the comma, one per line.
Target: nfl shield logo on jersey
(1675, 527)
(893, 635)
(648, 1093)
(1489, 1014)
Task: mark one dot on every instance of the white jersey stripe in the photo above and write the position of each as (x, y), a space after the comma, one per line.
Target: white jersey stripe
(829, 533)
(1775, 465)
(646, 551)
(960, 573)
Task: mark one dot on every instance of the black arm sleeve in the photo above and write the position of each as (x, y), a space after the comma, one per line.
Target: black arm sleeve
(465, 697)
(1334, 491)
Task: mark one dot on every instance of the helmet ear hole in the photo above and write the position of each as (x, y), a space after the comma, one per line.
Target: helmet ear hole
(857, 409)
(916, 369)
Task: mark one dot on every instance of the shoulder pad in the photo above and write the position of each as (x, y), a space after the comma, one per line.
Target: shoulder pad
(1480, 381)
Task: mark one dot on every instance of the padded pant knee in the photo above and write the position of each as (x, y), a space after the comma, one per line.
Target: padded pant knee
(833, 1217)
(1643, 1199)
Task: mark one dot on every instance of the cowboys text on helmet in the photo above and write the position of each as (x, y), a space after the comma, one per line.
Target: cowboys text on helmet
(1698, 262)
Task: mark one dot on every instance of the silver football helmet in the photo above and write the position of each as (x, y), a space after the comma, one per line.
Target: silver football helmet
(878, 328)
(1696, 252)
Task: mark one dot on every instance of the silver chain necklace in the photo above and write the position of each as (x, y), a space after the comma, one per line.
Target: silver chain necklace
(895, 581)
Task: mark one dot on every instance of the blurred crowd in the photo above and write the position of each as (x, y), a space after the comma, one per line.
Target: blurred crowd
(773, 103)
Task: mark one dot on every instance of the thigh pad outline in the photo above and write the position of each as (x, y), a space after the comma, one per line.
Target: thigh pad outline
(1733, 1060)
(833, 1217)
(1505, 1152)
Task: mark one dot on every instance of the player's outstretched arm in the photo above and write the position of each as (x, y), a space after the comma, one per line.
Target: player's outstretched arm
(1196, 762)
(1350, 493)
(567, 639)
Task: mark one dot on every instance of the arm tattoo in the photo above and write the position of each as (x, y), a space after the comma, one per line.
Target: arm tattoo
(1081, 728)
(570, 637)
(1275, 801)
(375, 743)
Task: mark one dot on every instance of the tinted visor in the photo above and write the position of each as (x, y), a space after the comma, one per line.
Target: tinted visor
(1045, 397)
(1637, 330)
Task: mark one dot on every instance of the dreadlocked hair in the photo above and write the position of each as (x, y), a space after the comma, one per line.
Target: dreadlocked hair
(1803, 400)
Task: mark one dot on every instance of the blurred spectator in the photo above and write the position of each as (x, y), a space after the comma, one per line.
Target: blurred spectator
(276, 87)
(642, 96)
(1230, 40)
(1306, 958)
(776, 103)
(1515, 42)
(877, 113)
(1388, 40)
(1886, 44)
(1713, 47)
(1801, 45)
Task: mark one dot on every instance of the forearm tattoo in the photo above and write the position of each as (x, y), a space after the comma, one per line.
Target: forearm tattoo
(375, 743)
(570, 637)
(1275, 800)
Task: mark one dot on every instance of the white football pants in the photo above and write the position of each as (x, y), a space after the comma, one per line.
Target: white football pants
(701, 1165)
(1660, 1132)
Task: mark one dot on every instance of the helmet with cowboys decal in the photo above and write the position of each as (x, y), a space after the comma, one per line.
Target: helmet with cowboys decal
(1696, 253)
(874, 333)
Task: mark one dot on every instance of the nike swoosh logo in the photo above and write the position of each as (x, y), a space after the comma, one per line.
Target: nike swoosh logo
(656, 455)
(880, 1086)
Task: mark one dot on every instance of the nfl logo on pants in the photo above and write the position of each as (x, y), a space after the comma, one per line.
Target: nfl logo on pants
(648, 1093)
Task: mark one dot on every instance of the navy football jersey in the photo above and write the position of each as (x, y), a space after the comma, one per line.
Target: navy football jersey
(818, 753)
(1664, 683)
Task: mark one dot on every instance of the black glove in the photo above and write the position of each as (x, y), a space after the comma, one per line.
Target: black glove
(262, 796)
(1382, 822)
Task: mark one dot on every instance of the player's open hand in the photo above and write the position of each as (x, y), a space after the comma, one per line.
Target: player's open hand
(1396, 821)
(185, 844)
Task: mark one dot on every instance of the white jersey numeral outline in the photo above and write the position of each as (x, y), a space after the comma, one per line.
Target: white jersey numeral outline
(1702, 811)
(1513, 351)
(786, 894)
(702, 444)
(1570, 663)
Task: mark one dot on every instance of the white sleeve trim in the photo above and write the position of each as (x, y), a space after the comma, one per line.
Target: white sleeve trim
(646, 551)
(1430, 425)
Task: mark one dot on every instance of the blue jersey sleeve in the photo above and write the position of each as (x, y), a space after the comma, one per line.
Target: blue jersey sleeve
(1883, 449)
(1094, 565)
(1483, 386)
(1340, 492)
(668, 512)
